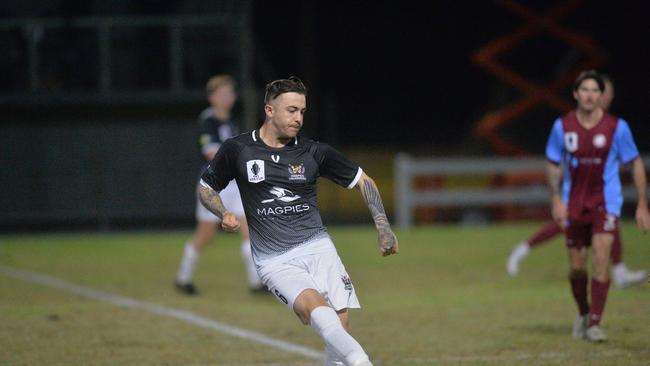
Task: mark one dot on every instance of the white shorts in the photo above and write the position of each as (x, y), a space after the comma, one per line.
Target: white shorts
(231, 200)
(323, 272)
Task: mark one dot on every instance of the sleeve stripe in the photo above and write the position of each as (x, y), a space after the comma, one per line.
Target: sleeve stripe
(356, 179)
(206, 185)
(552, 161)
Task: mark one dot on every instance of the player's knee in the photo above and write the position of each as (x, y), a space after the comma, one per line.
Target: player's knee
(344, 317)
(577, 273)
(306, 302)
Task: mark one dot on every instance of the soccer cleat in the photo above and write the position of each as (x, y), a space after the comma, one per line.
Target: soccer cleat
(623, 277)
(519, 252)
(186, 288)
(595, 334)
(580, 326)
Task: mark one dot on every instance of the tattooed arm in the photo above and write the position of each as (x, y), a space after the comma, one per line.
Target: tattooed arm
(211, 200)
(387, 240)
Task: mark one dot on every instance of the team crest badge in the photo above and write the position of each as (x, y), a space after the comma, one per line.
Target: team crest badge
(347, 283)
(297, 172)
(255, 169)
(600, 140)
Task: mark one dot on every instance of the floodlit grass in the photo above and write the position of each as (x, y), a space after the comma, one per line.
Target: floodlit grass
(444, 300)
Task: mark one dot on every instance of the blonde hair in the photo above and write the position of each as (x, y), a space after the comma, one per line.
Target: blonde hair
(218, 81)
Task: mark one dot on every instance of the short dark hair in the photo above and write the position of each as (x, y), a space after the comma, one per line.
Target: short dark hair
(589, 74)
(292, 84)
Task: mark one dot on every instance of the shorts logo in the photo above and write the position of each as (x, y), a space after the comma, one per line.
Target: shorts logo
(600, 140)
(610, 223)
(347, 282)
(255, 169)
(297, 172)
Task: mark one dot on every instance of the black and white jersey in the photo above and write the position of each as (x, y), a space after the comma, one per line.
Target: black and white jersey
(278, 187)
(213, 131)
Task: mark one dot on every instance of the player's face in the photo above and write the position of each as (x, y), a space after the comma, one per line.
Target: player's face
(286, 113)
(223, 98)
(607, 96)
(588, 95)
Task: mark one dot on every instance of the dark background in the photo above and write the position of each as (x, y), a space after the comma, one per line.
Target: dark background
(393, 76)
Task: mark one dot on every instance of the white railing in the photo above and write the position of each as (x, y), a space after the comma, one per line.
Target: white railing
(407, 198)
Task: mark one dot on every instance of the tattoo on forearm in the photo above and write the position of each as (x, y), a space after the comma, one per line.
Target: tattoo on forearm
(373, 200)
(211, 200)
(387, 240)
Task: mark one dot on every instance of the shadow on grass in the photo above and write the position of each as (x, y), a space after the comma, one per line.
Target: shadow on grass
(552, 329)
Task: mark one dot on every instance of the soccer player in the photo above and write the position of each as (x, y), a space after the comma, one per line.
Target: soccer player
(622, 276)
(216, 126)
(584, 150)
(276, 171)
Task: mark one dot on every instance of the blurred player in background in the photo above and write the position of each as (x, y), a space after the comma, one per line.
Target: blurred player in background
(622, 276)
(584, 150)
(276, 171)
(216, 126)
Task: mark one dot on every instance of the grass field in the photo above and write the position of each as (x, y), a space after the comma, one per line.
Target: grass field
(444, 300)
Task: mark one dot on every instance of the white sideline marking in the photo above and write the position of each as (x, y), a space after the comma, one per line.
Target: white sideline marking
(184, 315)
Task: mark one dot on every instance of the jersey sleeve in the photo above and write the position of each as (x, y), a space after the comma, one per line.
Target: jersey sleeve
(336, 167)
(627, 150)
(222, 169)
(555, 143)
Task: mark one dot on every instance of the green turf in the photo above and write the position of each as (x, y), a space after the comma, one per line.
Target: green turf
(444, 300)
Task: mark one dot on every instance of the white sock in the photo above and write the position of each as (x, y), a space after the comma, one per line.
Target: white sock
(619, 268)
(188, 263)
(332, 358)
(328, 325)
(524, 249)
(254, 280)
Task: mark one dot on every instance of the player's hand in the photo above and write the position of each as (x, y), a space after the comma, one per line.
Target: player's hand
(643, 218)
(230, 223)
(388, 243)
(559, 212)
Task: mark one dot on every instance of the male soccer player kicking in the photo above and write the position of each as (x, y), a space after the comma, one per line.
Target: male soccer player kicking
(276, 171)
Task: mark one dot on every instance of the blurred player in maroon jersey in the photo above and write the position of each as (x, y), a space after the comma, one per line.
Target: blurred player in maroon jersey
(622, 276)
(584, 151)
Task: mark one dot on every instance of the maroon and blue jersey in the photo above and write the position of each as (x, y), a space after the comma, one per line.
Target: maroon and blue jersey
(591, 159)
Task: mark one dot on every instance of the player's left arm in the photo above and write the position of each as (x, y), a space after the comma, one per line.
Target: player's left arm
(387, 240)
(640, 182)
(628, 152)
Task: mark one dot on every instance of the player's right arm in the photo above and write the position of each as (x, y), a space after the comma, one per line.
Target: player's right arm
(558, 207)
(216, 177)
(554, 154)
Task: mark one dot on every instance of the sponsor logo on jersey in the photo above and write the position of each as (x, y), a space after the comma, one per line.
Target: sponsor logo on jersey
(600, 140)
(275, 158)
(255, 169)
(297, 172)
(282, 195)
(347, 282)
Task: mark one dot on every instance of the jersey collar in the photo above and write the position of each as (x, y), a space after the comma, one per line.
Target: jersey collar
(255, 134)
